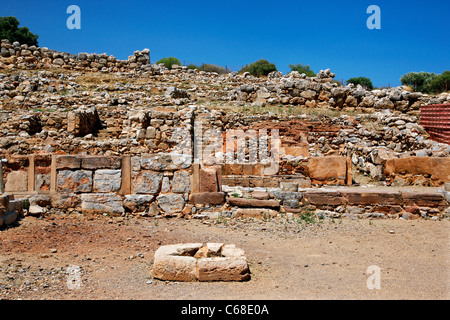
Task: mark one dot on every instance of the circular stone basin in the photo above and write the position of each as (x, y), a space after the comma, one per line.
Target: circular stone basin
(201, 262)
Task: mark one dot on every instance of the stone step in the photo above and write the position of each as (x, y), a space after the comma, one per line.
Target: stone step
(253, 203)
(329, 197)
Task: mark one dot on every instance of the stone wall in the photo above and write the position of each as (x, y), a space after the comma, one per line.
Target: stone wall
(322, 92)
(32, 57)
(150, 184)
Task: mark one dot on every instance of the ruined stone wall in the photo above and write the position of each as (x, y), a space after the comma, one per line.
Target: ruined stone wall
(321, 92)
(32, 57)
(150, 184)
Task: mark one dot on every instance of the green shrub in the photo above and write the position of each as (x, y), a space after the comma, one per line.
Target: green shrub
(419, 81)
(193, 67)
(169, 62)
(9, 29)
(441, 83)
(363, 81)
(302, 69)
(260, 68)
(212, 68)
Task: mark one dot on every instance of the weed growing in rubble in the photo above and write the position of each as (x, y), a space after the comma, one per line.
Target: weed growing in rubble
(307, 217)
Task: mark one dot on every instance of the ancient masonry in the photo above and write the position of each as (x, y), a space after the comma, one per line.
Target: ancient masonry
(93, 134)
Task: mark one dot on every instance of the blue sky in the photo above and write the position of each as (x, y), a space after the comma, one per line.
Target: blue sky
(414, 35)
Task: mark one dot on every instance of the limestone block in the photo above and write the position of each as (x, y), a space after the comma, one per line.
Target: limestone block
(16, 181)
(137, 202)
(68, 162)
(166, 162)
(147, 182)
(74, 181)
(107, 180)
(102, 203)
(171, 203)
(100, 162)
(181, 182)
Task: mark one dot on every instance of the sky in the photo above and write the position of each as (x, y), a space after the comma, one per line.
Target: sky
(414, 35)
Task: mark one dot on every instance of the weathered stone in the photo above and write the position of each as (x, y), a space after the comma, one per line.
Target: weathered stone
(181, 182)
(260, 195)
(36, 211)
(384, 103)
(109, 203)
(10, 218)
(148, 182)
(40, 200)
(137, 202)
(74, 181)
(253, 203)
(42, 182)
(165, 185)
(209, 181)
(166, 162)
(101, 162)
(323, 197)
(355, 198)
(107, 180)
(328, 170)
(223, 269)
(289, 186)
(194, 261)
(67, 200)
(175, 93)
(431, 200)
(171, 203)
(213, 198)
(16, 181)
(4, 204)
(437, 167)
(176, 262)
(68, 162)
(285, 195)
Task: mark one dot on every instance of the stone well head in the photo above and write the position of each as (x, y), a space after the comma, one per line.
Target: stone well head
(201, 262)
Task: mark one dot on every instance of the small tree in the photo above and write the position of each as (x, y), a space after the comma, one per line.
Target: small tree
(260, 68)
(302, 69)
(212, 68)
(169, 62)
(193, 67)
(363, 81)
(9, 29)
(441, 83)
(418, 81)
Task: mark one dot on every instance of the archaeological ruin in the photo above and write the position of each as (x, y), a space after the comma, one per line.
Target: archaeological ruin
(93, 134)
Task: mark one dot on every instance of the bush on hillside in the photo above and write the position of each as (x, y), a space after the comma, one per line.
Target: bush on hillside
(302, 69)
(419, 81)
(169, 62)
(363, 81)
(441, 83)
(260, 68)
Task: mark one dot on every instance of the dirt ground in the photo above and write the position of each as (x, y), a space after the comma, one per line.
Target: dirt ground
(288, 260)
